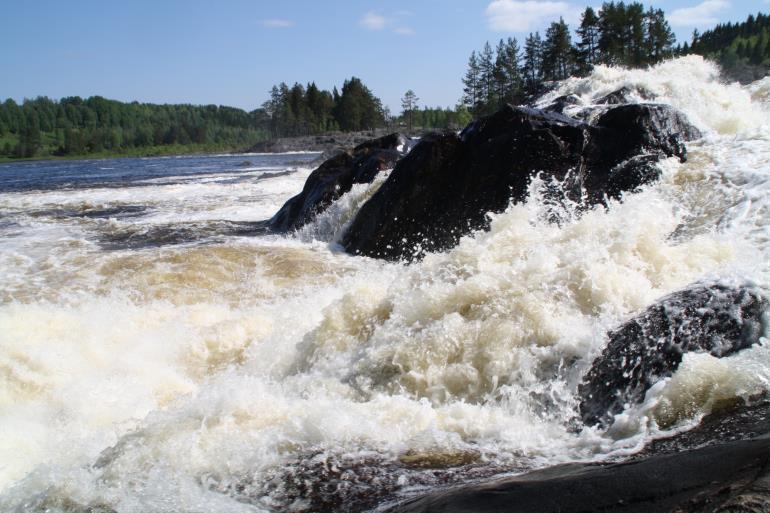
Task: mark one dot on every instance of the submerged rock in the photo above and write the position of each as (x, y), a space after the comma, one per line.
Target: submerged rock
(716, 319)
(447, 185)
(336, 176)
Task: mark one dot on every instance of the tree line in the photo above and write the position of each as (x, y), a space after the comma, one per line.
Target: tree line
(96, 125)
(77, 126)
(307, 110)
(737, 47)
(618, 34)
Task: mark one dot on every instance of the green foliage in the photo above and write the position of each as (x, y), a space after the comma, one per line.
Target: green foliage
(743, 49)
(73, 126)
(620, 34)
(429, 118)
(308, 110)
(409, 104)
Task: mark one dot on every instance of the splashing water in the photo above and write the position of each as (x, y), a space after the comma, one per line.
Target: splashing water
(223, 372)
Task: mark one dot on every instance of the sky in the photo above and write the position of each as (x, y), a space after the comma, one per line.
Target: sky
(231, 52)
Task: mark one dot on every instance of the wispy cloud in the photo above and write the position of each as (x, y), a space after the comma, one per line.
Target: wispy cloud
(523, 15)
(374, 21)
(277, 23)
(705, 13)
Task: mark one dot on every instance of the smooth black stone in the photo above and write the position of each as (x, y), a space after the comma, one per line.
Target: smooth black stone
(336, 176)
(447, 185)
(730, 477)
(712, 318)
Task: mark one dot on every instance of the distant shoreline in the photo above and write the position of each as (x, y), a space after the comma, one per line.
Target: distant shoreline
(173, 151)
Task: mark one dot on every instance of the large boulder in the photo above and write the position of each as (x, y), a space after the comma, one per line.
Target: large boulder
(712, 318)
(447, 185)
(336, 176)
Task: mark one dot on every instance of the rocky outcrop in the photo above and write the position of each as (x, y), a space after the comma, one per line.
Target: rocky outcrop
(336, 176)
(327, 142)
(712, 318)
(627, 141)
(626, 94)
(447, 185)
(729, 477)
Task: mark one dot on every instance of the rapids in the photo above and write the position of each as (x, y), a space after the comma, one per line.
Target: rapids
(157, 356)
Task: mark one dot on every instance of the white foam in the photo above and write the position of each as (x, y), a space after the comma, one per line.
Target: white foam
(189, 372)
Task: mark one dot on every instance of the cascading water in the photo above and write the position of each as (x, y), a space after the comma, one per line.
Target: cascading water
(155, 359)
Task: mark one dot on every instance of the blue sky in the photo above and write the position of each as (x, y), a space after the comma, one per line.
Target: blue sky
(231, 52)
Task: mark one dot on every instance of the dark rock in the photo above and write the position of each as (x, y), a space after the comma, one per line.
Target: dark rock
(625, 95)
(562, 102)
(731, 477)
(321, 142)
(716, 319)
(737, 421)
(246, 163)
(447, 185)
(627, 142)
(336, 176)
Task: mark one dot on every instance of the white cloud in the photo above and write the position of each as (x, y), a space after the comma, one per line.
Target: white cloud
(702, 14)
(404, 31)
(523, 15)
(277, 23)
(374, 21)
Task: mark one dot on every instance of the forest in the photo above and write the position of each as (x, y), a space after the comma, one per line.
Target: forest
(743, 49)
(619, 34)
(74, 126)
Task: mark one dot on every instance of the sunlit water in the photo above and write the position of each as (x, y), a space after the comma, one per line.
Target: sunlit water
(157, 354)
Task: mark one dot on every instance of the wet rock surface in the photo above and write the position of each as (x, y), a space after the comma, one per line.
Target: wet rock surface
(447, 185)
(730, 477)
(625, 95)
(336, 176)
(711, 318)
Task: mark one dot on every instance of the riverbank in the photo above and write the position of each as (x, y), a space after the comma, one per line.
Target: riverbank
(151, 151)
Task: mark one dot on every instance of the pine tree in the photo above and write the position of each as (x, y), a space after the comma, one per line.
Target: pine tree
(471, 83)
(588, 46)
(558, 57)
(636, 54)
(532, 67)
(500, 75)
(486, 73)
(409, 104)
(660, 37)
(512, 71)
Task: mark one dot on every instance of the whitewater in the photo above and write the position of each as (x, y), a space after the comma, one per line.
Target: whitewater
(159, 354)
